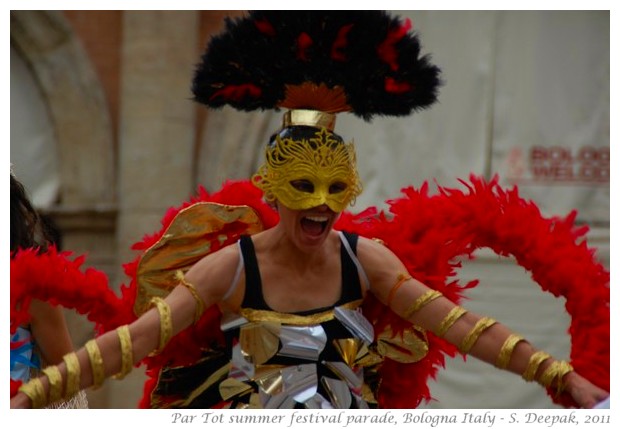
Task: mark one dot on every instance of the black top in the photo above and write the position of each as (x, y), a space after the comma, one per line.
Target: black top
(254, 299)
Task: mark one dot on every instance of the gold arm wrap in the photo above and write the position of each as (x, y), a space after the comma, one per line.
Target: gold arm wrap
(35, 391)
(449, 320)
(556, 371)
(200, 305)
(422, 301)
(402, 278)
(73, 375)
(55, 379)
(96, 363)
(165, 323)
(472, 336)
(503, 358)
(532, 367)
(124, 338)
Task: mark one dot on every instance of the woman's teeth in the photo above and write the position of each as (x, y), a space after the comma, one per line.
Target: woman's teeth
(318, 218)
(314, 225)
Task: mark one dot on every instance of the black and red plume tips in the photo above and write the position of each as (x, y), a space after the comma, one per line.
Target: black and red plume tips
(364, 62)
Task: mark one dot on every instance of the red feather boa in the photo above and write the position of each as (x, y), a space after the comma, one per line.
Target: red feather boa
(53, 277)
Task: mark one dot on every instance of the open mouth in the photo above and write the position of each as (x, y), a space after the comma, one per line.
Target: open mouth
(314, 225)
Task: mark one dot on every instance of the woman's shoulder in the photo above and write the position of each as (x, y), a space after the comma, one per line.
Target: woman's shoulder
(373, 253)
(372, 246)
(227, 255)
(216, 269)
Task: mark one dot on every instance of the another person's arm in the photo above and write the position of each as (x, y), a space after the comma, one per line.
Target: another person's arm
(49, 329)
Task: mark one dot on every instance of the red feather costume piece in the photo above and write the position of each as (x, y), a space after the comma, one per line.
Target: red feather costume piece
(54, 277)
(428, 233)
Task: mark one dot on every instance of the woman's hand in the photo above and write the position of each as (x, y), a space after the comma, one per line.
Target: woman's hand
(584, 393)
(20, 401)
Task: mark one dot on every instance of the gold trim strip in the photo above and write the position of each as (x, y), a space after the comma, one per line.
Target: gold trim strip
(200, 305)
(96, 362)
(558, 369)
(165, 323)
(505, 353)
(73, 375)
(423, 300)
(402, 278)
(532, 367)
(210, 381)
(55, 378)
(124, 338)
(311, 118)
(472, 336)
(35, 391)
(294, 319)
(450, 320)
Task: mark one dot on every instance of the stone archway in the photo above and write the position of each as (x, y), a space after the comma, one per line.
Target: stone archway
(76, 105)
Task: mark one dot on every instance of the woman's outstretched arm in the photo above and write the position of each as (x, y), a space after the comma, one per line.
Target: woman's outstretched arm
(481, 337)
(115, 352)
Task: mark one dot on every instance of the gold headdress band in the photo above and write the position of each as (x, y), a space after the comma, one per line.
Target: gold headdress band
(311, 118)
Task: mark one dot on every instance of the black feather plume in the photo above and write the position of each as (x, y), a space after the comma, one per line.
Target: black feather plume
(370, 56)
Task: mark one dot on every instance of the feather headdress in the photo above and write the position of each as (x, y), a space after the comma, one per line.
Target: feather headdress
(364, 62)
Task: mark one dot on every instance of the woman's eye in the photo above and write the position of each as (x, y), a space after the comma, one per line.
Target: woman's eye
(303, 186)
(336, 188)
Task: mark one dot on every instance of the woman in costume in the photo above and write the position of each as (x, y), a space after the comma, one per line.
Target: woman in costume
(311, 316)
(44, 339)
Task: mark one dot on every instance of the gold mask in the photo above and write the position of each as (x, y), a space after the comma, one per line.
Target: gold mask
(325, 162)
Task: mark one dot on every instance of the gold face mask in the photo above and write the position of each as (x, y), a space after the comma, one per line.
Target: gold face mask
(303, 174)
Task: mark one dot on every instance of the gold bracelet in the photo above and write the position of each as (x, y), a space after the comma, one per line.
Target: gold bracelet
(557, 370)
(35, 391)
(402, 278)
(421, 301)
(165, 323)
(73, 375)
(469, 340)
(124, 338)
(503, 358)
(55, 378)
(449, 320)
(96, 363)
(532, 366)
(200, 305)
